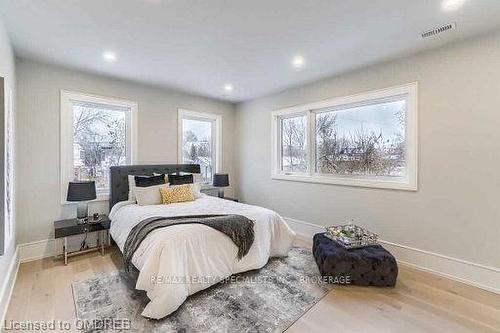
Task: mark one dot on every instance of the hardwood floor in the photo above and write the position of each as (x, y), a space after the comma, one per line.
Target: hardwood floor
(421, 302)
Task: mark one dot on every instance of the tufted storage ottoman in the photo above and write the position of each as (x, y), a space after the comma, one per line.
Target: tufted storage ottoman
(368, 266)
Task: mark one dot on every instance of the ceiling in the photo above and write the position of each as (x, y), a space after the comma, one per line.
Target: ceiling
(199, 46)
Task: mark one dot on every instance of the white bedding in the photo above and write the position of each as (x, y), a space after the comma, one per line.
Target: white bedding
(178, 261)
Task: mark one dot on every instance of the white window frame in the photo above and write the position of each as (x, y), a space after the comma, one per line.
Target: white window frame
(216, 132)
(408, 183)
(279, 132)
(66, 143)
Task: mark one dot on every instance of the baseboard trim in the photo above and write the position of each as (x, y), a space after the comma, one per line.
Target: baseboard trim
(477, 275)
(8, 287)
(47, 248)
(38, 250)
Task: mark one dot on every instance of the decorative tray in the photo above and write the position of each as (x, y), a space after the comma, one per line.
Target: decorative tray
(351, 236)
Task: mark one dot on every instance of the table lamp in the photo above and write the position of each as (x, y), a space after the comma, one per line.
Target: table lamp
(221, 180)
(81, 192)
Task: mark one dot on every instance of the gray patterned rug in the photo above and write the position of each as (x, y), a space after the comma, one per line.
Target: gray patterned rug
(266, 300)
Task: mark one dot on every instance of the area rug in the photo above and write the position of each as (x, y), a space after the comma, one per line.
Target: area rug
(266, 300)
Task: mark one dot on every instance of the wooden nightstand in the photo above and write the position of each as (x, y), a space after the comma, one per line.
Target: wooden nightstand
(70, 227)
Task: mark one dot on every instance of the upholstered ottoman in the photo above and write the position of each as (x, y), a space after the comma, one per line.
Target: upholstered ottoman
(368, 266)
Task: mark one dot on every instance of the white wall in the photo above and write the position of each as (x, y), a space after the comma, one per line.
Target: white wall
(38, 136)
(456, 211)
(8, 259)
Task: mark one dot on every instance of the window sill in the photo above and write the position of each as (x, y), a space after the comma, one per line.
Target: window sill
(404, 185)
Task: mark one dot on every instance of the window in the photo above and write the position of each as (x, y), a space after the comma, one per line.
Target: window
(8, 164)
(200, 141)
(363, 140)
(96, 133)
(293, 144)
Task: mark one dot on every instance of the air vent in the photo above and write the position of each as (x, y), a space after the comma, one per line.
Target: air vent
(436, 31)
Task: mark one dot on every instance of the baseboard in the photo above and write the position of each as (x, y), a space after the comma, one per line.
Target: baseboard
(47, 248)
(481, 276)
(25, 253)
(38, 250)
(8, 287)
(477, 275)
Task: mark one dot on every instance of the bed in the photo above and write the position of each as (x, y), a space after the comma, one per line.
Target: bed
(180, 260)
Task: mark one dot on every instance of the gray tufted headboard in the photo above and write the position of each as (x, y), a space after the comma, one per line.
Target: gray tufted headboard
(119, 177)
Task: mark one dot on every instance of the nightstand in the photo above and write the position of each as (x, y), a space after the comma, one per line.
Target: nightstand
(210, 190)
(214, 192)
(70, 227)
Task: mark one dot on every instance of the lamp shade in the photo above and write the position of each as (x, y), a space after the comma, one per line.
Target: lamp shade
(81, 191)
(221, 180)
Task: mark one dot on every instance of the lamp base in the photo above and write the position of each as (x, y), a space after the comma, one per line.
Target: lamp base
(82, 221)
(82, 210)
(221, 193)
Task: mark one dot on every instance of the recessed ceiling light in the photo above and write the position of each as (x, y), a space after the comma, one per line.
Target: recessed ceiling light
(109, 56)
(228, 87)
(298, 61)
(449, 5)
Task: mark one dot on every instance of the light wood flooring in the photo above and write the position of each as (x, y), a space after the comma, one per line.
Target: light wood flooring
(421, 302)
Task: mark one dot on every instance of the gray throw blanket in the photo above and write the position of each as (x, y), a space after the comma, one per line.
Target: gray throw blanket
(237, 227)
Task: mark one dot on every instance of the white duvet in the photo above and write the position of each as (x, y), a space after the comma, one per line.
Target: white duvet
(178, 261)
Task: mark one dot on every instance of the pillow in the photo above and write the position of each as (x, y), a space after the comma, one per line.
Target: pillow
(197, 181)
(180, 179)
(151, 195)
(131, 187)
(179, 193)
(197, 177)
(196, 190)
(146, 181)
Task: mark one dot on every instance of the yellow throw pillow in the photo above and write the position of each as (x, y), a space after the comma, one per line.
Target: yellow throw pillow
(179, 193)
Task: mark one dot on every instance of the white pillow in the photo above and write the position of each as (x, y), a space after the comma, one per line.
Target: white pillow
(151, 195)
(196, 190)
(131, 187)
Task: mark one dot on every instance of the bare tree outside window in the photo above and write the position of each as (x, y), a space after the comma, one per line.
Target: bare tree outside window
(99, 141)
(197, 147)
(362, 141)
(293, 144)
(367, 140)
